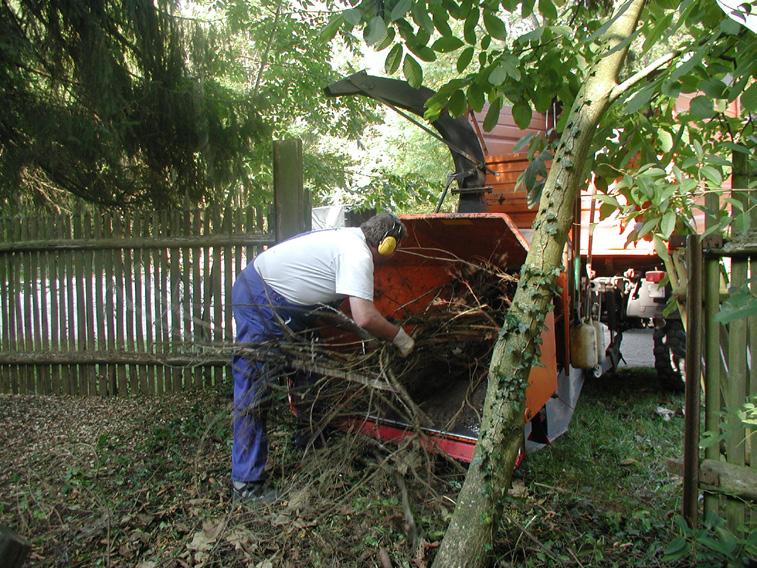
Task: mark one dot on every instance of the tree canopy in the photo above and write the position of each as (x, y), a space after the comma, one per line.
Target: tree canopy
(133, 102)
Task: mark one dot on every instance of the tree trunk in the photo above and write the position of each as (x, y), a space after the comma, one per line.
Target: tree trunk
(471, 531)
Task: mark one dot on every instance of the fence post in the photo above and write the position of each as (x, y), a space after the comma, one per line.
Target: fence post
(693, 373)
(737, 391)
(291, 201)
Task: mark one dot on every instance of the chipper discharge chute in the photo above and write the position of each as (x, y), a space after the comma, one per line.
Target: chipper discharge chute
(450, 285)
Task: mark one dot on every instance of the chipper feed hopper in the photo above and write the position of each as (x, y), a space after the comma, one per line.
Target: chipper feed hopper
(420, 281)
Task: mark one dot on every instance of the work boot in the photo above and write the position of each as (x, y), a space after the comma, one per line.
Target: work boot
(253, 492)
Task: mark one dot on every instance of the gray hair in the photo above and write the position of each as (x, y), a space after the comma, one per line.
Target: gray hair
(383, 225)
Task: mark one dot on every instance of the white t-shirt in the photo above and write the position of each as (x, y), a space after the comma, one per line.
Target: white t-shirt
(319, 267)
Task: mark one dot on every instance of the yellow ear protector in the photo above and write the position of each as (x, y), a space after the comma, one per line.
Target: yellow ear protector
(388, 243)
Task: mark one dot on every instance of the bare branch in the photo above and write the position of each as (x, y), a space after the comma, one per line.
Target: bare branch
(643, 74)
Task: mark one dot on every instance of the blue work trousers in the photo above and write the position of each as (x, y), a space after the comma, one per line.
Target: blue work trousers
(255, 306)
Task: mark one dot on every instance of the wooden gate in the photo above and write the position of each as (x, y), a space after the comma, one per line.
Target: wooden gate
(721, 342)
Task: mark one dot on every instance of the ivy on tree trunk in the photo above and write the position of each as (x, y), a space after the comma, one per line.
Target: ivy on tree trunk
(471, 531)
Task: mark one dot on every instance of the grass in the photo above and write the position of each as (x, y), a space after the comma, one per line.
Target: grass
(601, 493)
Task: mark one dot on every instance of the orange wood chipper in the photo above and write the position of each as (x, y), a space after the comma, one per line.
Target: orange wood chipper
(584, 332)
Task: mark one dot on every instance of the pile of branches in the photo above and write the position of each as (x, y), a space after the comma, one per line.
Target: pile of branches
(440, 385)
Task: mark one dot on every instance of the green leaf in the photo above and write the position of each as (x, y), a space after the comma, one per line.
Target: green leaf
(661, 248)
(387, 41)
(329, 32)
(445, 44)
(375, 31)
(412, 71)
(400, 9)
(640, 99)
(440, 17)
(653, 35)
(685, 67)
(476, 98)
(498, 75)
(457, 103)
(523, 142)
(647, 227)
(668, 223)
(701, 107)
(713, 87)
(492, 115)
(352, 16)
(729, 27)
(522, 114)
(665, 139)
(676, 550)
(469, 28)
(421, 17)
(526, 8)
(393, 60)
(464, 60)
(712, 174)
(495, 26)
(423, 52)
(749, 98)
(547, 9)
(507, 67)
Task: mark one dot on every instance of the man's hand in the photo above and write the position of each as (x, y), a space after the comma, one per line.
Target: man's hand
(403, 342)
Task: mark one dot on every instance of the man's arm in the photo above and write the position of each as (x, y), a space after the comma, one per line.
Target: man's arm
(366, 315)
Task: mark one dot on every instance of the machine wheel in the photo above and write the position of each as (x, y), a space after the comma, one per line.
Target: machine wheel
(670, 354)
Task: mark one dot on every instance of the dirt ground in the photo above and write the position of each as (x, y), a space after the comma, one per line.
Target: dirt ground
(126, 482)
(145, 483)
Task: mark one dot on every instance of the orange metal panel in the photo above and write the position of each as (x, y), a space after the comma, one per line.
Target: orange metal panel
(542, 382)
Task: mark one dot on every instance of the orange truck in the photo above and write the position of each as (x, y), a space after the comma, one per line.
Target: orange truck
(584, 332)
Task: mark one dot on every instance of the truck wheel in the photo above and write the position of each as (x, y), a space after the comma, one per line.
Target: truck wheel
(670, 354)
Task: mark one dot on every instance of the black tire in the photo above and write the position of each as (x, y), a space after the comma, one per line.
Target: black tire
(670, 355)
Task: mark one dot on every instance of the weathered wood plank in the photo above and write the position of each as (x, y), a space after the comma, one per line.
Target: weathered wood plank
(185, 223)
(161, 302)
(197, 327)
(81, 310)
(129, 307)
(217, 287)
(55, 311)
(71, 384)
(147, 266)
(175, 299)
(100, 313)
(723, 478)
(5, 308)
(166, 305)
(36, 301)
(228, 280)
(207, 293)
(139, 300)
(45, 376)
(27, 332)
(122, 376)
(175, 241)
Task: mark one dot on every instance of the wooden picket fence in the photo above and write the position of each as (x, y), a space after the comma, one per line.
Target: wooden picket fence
(112, 304)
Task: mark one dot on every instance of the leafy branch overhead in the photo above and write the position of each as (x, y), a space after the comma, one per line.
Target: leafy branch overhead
(534, 56)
